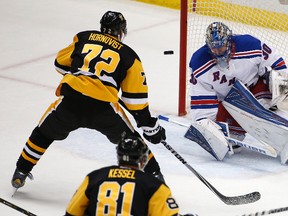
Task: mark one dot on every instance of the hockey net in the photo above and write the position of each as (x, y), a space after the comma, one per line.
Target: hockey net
(265, 19)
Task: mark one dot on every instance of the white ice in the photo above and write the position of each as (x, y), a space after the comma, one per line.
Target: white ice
(32, 32)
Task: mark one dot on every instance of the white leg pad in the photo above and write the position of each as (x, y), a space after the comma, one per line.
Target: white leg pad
(272, 134)
(209, 136)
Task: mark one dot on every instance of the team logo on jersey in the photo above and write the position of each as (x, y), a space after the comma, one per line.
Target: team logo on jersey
(222, 78)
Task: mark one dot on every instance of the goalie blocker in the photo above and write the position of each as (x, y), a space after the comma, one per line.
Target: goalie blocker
(264, 125)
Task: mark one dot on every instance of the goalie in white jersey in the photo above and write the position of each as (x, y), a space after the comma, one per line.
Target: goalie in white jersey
(227, 59)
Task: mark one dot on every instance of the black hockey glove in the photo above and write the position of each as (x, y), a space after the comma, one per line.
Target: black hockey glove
(154, 133)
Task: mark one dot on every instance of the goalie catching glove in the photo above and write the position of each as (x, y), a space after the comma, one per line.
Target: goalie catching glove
(154, 133)
(278, 86)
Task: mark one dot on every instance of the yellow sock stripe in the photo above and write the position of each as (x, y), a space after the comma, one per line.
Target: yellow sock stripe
(26, 157)
(35, 147)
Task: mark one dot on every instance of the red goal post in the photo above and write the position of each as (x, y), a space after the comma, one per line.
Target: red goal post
(265, 19)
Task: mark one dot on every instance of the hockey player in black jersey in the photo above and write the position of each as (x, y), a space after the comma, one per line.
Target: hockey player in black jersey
(96, 66)
(124, 189)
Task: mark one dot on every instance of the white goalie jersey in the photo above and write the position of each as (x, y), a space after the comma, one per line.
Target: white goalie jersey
(210, 83)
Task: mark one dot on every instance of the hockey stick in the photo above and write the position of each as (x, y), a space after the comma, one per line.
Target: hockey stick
(267, 212)
(16, 207)
(262, 150)
(235, 200)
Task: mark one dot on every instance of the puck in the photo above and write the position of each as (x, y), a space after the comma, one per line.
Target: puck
(168, 52)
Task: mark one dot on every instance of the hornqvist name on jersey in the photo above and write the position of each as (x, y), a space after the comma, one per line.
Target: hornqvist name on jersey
(105, 39)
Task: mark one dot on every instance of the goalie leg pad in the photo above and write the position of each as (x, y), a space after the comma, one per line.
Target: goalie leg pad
(262, 124)
(208, 135)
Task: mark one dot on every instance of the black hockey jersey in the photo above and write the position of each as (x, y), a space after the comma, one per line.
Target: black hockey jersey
(98, 65)
(122, 191)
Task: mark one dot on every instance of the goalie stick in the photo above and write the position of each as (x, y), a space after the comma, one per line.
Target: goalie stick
(262, 150)
(267, 212)
(5, 202)
(234, 200)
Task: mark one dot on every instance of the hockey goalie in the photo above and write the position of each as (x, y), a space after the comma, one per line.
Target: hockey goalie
(238, 87)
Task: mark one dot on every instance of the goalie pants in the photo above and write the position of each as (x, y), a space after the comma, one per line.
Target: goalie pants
(73, 111)
(260, 90)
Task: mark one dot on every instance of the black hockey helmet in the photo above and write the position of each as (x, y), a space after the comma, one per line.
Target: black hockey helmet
(113, 23)
(132, 150)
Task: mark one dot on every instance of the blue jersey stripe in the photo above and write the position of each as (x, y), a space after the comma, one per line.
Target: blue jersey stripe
(206, 106)
(203, 97)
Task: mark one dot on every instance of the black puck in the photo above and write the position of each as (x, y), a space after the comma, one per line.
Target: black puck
(168, 52)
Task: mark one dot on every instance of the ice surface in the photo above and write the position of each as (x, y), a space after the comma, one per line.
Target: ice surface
(32, 33)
